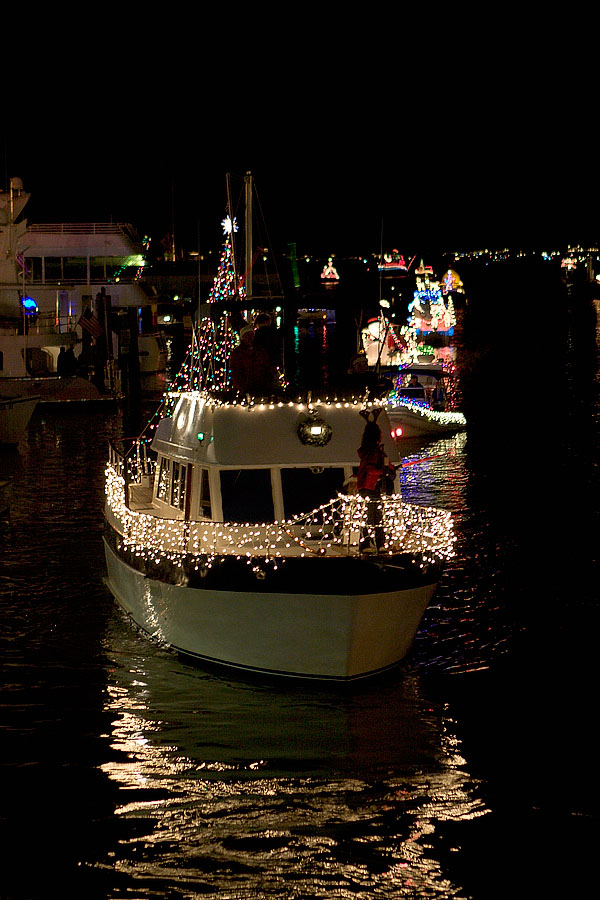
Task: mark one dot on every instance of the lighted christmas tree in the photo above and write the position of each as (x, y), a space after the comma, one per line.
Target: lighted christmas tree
(215, 337)
(207, 364)
(227, 285)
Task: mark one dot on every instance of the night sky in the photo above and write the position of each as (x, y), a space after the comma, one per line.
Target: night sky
(358, 136)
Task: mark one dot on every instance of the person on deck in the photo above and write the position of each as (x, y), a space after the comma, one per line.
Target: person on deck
(61, 362)
(251, 369)
(368, 482)
(70, 362)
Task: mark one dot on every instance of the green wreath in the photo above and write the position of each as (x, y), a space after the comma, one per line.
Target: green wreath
(314, 430)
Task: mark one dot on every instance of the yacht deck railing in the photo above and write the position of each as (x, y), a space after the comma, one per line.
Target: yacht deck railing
(347, 525)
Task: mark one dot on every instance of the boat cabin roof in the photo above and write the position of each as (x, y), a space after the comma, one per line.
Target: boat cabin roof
(230, 435)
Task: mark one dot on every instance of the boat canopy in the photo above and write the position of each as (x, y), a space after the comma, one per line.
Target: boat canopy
(284, 433)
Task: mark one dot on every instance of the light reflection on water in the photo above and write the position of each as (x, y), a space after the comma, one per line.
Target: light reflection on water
(260, 791)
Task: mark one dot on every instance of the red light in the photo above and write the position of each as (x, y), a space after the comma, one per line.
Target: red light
(396, 433)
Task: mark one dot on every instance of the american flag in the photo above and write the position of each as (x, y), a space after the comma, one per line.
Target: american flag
(89, 321)
(21, 263)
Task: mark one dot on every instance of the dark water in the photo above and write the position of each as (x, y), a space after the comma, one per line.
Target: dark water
(471, 772)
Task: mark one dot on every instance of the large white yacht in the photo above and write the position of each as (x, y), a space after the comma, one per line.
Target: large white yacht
(62, 285)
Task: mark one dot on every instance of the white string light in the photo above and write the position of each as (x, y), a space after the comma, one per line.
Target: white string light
(335, 528)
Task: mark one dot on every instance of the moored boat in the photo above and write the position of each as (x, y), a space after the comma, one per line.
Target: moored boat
(74, 288)
(15, 414)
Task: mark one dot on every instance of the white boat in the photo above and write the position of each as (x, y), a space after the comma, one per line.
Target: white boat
(237, 546)
(424, 409)
(230, 537)
(15, 413)
(70, 285)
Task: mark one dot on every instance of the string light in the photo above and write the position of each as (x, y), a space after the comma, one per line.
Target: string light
(423, 409)
(336, 528)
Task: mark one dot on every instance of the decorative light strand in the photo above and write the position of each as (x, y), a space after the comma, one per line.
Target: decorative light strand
(335, 528)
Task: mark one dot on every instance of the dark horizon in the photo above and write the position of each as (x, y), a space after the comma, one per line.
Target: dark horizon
(502, 178)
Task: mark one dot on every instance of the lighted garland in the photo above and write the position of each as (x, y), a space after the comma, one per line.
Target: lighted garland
(423, 409)
(335, 528)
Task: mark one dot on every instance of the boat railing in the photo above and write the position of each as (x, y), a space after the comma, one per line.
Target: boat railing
(99, 228)
(344, 527)
(42, 323)
(133, 460)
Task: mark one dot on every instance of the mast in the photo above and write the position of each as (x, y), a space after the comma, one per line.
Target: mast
(248, 233)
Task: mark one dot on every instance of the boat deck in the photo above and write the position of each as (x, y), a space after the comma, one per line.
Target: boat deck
(140, 501)
(284, 539)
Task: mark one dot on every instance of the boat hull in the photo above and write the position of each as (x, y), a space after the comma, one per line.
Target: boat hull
(53, 389)
(413, 424)
(15, 413)
(328, 636)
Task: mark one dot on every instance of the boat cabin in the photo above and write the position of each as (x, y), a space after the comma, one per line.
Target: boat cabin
(419, 381)
(258, 462)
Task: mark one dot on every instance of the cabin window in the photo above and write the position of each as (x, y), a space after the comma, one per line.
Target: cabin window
(307, 489)
(33, 267)
(97, 268)
(163, 488)
(247, 495)
(178, 485)
(204, 508)
(75, 268)
(113, 266)
(53, 268)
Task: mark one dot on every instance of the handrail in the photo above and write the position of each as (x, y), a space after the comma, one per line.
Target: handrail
(339, 527)
(80, 228)
(41, 323)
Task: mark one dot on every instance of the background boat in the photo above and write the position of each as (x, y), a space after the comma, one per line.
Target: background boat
(15, 413)
(77, 286)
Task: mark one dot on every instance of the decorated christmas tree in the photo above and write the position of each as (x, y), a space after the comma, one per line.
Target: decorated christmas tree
(207, 363)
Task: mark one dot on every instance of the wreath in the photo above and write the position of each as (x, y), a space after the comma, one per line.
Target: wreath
(314, 430)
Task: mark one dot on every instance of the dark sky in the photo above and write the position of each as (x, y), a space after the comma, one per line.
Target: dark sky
(424, 142)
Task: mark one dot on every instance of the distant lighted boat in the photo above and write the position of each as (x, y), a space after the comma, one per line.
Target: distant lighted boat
(423, 409)
(330, 274)
(393, 264)
(431, 313)
(451, 283)
(388, 345)
(380, 342)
